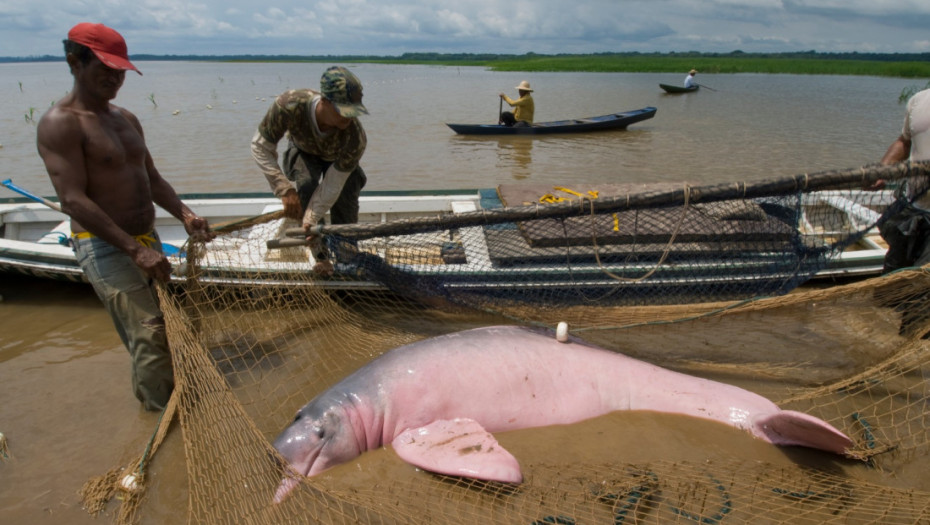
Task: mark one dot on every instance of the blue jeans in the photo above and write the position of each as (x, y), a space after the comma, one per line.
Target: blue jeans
(129, 296)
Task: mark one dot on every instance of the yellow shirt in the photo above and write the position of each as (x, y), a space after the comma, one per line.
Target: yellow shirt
(523, 107)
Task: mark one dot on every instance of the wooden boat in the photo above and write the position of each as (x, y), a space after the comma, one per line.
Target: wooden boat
(613, 121)
(678, 89)
(34, 237)
(33, 241)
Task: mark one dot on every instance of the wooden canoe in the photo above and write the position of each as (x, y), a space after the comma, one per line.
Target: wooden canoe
(612, 121)
(677, 89)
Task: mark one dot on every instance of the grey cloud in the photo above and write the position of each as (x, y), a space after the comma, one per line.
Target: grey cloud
(544, 26)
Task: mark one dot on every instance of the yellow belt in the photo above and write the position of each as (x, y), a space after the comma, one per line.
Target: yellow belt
(145, 239)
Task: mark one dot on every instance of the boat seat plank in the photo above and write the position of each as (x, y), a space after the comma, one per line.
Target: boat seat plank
(730, 221)
(509, 248)
(648, 226)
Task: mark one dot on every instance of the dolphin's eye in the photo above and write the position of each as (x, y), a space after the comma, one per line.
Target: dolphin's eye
(297, 417)
(320, 433)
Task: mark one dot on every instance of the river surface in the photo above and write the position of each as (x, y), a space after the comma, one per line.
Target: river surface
(199, 118)
(65, 401)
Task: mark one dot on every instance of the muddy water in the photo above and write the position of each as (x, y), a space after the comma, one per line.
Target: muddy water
(199, 118)
(68, 414)
(67, 409)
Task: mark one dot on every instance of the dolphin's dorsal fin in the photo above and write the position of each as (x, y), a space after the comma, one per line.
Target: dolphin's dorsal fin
(788, 427)
(457, 447)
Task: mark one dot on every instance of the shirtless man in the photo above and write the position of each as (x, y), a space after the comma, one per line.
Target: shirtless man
(106, 181)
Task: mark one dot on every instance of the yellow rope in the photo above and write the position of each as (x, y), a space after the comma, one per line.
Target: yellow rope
(589, 195)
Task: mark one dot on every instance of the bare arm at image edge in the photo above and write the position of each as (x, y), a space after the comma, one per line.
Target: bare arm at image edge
(898, 151)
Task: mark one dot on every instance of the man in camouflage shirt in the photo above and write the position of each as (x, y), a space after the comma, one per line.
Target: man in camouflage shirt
(325, 144)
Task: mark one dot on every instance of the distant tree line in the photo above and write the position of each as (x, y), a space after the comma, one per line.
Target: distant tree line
(472, 58)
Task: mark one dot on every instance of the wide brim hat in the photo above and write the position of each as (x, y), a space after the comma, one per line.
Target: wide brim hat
(524, 86)
(107, 45)
(693, 71)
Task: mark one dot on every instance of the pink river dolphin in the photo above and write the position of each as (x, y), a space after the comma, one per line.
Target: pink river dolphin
(437, 400)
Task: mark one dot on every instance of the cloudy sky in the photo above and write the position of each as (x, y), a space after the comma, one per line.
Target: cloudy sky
(385, 27)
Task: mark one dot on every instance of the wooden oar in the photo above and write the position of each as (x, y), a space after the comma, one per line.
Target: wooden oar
(236, 224)
(707, 87)
(273, 244)
(53, 205)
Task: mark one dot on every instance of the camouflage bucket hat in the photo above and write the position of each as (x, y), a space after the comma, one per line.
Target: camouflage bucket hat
(343, 89)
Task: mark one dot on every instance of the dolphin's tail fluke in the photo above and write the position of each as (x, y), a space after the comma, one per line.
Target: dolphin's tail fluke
(787, 427)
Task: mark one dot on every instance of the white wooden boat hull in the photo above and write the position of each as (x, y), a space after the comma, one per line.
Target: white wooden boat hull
(31, 234)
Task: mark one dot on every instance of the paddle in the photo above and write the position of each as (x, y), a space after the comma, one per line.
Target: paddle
(167, 248)
(9, 184)
(707, 87)
(500, 110)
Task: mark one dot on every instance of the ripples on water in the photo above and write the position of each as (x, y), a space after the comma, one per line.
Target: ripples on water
(751, 127)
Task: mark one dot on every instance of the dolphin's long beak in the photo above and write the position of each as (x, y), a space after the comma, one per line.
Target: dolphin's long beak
(293, 473)
(285, 487)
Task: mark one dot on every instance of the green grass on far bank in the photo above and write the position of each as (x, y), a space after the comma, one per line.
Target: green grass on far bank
(913, 65)
(810, 63)
(716, 64)
(904, 66)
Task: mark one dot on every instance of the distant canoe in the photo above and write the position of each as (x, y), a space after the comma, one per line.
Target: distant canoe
(677, 89)
(601, 123)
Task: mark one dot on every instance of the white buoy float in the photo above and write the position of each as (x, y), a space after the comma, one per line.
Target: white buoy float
(130, 483)
(561, 332)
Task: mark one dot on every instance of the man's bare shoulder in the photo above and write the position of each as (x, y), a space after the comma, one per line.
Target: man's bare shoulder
(61, 121)
(67, 119)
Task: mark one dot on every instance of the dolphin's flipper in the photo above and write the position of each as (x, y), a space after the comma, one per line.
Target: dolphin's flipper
(788, 427)
(458, 447)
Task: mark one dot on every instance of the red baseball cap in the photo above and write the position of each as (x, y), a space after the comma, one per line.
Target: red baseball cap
(106, 43)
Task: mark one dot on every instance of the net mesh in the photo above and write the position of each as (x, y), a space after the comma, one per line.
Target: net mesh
(702, 281)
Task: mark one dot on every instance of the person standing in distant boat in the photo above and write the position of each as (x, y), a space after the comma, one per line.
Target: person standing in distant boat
(690, 82)
(106, 181)
(524, 107)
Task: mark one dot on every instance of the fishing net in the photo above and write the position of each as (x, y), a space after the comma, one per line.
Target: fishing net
(702, 280)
